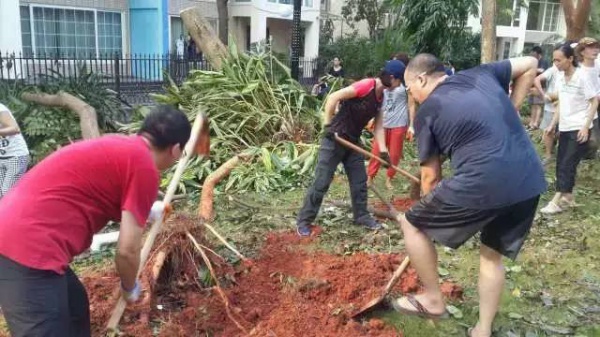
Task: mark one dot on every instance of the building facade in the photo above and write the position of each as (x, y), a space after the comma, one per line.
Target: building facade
(93, 28)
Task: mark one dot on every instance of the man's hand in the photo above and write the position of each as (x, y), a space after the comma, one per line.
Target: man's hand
(410, 134)
(550, 129)
(131, 295)
(583, 135)
(386, 158)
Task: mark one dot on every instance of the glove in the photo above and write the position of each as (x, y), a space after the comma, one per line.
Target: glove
(133, 295)
(386, 158)
(158, 211)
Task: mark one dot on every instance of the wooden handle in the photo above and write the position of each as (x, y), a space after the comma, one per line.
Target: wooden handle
(396, 276)
(389, 205)
(372, 156)
(190, 146)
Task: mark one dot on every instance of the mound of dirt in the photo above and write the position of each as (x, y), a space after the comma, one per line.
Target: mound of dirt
(289, 290)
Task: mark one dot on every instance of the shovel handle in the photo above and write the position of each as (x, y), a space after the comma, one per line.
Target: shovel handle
(359, 149)
(396, 276)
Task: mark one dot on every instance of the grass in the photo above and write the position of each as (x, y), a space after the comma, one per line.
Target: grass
(552, 289)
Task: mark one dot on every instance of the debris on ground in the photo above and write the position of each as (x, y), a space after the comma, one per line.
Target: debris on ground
(288, 290)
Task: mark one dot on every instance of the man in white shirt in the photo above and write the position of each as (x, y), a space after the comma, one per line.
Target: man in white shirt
(587, 51)
(180, 46)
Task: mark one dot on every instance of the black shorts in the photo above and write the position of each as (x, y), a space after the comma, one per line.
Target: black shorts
(503, 229)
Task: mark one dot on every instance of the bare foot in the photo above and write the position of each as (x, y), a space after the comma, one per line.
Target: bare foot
(475, 332)
(388, 184)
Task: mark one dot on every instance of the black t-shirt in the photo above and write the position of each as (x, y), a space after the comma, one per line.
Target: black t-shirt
(336, 73)
(470, 119)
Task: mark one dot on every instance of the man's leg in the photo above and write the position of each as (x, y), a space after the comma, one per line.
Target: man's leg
(79, 306)
(491, 285)
(330, 155)
(354, 164)
(423, 257)
(34, 302)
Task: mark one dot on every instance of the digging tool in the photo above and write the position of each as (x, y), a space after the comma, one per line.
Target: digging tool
(370, 155)
(395, 276)
(199, 143)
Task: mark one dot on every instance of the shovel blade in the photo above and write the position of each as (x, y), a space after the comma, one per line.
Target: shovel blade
(372, 304)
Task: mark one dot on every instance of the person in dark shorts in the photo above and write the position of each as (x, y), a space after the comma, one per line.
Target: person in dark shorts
(358, 104)
(497, 175)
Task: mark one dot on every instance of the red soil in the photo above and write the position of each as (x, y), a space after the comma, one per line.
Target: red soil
(288, 291)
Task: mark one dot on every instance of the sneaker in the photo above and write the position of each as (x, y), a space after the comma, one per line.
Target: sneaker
(551, 208)
(568, 203)
(304, 230)
(372, 225)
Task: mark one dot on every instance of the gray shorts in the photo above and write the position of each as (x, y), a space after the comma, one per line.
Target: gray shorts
(546, 119)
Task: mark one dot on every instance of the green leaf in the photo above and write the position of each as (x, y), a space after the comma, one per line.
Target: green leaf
(454, 311)
(513, 315)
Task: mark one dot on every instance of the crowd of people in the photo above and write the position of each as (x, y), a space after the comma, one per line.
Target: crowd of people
(468, 117)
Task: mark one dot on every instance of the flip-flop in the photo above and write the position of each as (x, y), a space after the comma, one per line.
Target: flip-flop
(420, 312)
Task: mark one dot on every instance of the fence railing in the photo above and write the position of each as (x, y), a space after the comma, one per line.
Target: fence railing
(132, 77)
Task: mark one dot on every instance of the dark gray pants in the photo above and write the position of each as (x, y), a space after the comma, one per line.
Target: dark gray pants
(330, 155)
(568, 156)
(39, 303)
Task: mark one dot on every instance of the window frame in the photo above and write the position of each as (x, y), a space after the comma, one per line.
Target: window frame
(95, 11)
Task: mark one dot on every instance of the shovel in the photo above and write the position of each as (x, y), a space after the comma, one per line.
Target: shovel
(199, 143)
(374, 303)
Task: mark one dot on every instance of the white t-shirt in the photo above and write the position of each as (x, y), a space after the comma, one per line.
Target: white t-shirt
(573, 98)
(395, 107)
(593, 74)
(550, 74)
(180, 45)
(12, 146)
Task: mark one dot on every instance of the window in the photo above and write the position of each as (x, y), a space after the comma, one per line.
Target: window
(109, 33)
(71, 33)
(543, 15)
(308, 3)
(508, 13)
(506, 50)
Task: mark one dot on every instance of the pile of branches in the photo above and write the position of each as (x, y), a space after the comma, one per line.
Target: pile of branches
(255, 108)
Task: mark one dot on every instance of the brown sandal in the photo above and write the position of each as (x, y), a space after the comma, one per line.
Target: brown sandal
(421, 311)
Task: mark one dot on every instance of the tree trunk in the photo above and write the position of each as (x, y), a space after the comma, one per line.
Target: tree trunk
(223, 13)
(488, 31)
(576, 17)
(204, 36)
(88, 119)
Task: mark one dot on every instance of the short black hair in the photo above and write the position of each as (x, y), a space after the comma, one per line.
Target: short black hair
(166, 126)
(537, 50)
(426, 63)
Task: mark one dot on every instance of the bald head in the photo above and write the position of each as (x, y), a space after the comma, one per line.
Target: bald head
(426, 63)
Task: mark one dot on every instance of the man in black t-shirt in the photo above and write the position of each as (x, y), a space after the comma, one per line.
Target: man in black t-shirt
(497, 176)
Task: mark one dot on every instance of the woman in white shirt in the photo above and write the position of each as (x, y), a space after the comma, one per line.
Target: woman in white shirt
(14, 154)
(549, 95)
(575, 113)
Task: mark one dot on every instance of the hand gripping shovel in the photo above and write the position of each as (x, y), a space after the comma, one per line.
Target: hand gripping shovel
(372, 304)
(199, 143)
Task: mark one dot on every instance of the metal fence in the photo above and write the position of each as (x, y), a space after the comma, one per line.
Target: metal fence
(132, 77)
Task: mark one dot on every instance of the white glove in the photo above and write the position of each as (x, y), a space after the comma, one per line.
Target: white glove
(133, 295)
(157, 211)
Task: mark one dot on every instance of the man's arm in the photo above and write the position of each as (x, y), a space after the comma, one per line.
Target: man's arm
(9, 125)
(431, 174)
(127, 259)
(523, 74)
(412, 113)
(334, 99)
(379, 133)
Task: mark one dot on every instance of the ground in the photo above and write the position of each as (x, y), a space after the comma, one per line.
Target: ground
(552, 289)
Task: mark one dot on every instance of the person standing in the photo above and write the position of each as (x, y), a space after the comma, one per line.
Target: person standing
(180, 47)
(57, 207)
(575, 114)
(535, 101)
(337, 70)
(587, 51)
(398, 113)
(549, 138)
(14, 154)
(358, 104)
(496, 183)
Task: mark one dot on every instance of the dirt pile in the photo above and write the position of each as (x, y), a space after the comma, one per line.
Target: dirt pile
(289, 290)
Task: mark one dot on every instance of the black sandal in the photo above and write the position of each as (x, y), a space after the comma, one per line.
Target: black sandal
(420, 312)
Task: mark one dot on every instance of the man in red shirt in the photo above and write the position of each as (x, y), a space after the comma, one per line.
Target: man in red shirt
(53, 212)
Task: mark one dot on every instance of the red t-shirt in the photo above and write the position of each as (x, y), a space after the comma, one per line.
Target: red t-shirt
(364, 87)
(52, 213)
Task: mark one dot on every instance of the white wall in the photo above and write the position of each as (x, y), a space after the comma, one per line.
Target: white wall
(10, 36)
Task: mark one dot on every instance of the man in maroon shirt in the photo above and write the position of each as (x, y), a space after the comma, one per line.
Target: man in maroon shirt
(57, 207)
